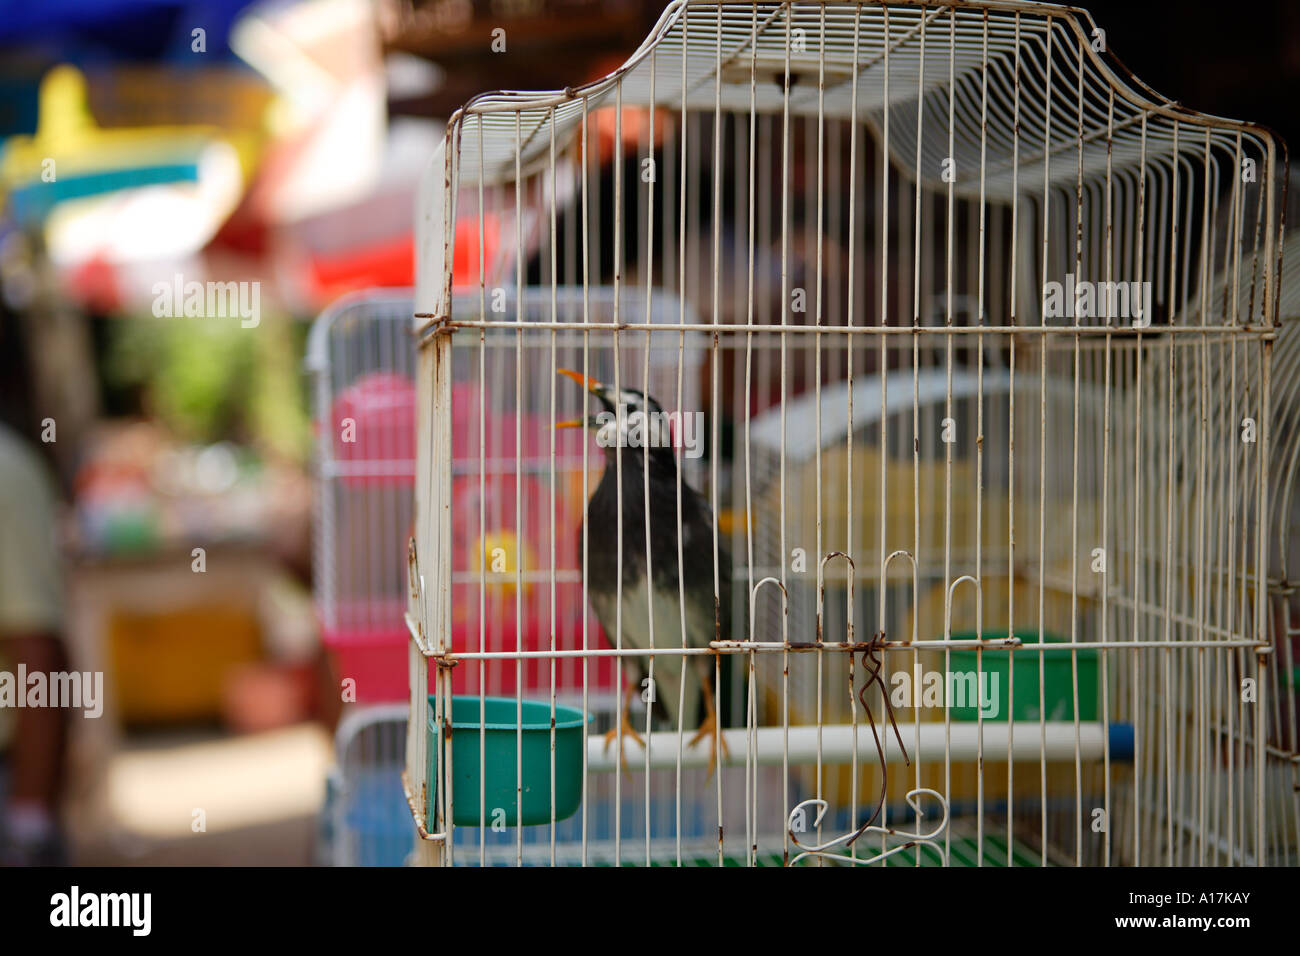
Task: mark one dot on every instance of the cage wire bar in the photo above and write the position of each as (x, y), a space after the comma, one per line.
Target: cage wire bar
(984, 332)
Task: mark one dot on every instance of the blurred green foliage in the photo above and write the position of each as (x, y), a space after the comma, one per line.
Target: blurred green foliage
(210, 379)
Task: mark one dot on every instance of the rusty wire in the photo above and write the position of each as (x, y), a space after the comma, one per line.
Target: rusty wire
(871, 663)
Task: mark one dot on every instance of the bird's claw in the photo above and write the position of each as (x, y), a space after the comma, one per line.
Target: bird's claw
(628, 731)
(708, 728)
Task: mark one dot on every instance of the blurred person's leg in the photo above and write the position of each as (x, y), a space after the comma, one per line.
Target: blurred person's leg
(31, 627)
(37, 751)
(40, 738)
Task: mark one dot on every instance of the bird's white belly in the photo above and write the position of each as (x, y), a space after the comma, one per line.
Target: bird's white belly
(641, 607)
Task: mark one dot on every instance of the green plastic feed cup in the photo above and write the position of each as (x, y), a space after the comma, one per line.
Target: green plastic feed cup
(1058, 682)
(502, 740)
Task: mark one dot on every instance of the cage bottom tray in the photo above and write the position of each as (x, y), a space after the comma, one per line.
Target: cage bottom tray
(699, 852)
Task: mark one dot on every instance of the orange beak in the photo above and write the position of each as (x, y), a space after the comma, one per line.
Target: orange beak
(590, 384)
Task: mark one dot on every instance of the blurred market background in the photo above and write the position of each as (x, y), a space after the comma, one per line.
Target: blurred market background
(276, 144)
(220, 141)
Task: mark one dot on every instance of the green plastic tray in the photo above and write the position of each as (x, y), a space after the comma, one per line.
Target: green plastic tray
(1058, 680)
(501, 743)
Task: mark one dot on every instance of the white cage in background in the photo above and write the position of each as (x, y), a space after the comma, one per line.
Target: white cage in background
(366, 817)
(361, 357)
(984, 334)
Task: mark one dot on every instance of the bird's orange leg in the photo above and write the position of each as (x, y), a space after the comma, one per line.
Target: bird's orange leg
(709, 728)
(628, 729)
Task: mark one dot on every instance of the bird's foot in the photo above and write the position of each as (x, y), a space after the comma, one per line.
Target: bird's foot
(709, 728)
(628, 731)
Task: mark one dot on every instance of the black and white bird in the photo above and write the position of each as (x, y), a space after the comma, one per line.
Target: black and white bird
(635, 422)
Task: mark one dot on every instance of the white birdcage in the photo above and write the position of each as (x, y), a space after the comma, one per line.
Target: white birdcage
(361, 357)
(982, 332)
(366, 818)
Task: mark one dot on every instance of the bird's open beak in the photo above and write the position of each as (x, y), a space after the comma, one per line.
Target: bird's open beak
(590, 384)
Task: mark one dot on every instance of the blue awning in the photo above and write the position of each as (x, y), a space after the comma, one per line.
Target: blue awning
(96, 31)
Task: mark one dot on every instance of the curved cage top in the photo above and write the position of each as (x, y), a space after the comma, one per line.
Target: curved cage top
(1032, 83)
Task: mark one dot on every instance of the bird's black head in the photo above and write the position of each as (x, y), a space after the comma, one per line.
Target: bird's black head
(627, 418)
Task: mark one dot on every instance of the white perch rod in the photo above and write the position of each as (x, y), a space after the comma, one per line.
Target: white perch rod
(837, 744)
